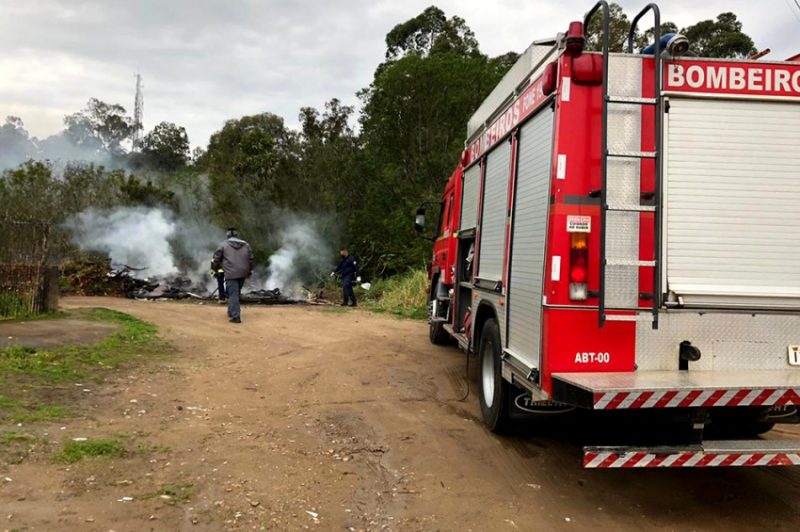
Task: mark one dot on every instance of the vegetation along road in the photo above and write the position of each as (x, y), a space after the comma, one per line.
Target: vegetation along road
(320, 418)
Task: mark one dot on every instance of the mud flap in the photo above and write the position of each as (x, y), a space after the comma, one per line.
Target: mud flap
(523, 407)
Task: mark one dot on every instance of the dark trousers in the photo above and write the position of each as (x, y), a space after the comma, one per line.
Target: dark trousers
(347, 290)
(221, 292)
(234, 288)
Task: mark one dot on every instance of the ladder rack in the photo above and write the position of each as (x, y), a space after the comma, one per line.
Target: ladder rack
(620, 216)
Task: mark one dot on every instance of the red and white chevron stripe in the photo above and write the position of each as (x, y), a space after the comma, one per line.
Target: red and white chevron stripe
(614, 460)
(696, 398)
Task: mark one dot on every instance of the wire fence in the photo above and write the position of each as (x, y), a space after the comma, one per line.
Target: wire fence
(28, 283)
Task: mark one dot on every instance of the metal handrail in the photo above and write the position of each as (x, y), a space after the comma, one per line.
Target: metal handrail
(604, 147)
(657, 252)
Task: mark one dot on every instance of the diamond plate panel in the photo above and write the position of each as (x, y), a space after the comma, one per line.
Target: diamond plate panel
(622, 286)
(625, 75)
(622, 235)
(624, 128)
(622, 243)
(623, 183)
(728, 341)
(624, 120)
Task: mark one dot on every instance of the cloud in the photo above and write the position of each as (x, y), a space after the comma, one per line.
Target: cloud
(204, 61)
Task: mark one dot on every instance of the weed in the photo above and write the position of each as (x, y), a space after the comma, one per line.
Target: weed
(150, 449)
(11, 437)
(35, 413)
(178, 494)
(402, 295)
(75, 451)
(7, 402)
(13, 306)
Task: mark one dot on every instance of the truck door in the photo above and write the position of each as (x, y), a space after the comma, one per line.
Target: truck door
(528, 234)
(732, 196)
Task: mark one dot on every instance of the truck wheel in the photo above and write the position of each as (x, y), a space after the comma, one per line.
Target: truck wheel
(493, 390)
(437, 334)
(741, 422)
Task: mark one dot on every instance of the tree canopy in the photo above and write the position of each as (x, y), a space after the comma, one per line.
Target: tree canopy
(166, 147)
(431, 32)
(722, 37)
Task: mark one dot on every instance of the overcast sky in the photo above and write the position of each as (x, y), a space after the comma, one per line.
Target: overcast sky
(204, 61)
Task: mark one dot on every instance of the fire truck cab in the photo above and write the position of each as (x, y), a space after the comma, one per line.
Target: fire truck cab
(620, 234)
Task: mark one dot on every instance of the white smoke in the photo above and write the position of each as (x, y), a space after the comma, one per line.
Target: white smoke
(302, 256)
(148, 238)
(135, 237)
(165, 246)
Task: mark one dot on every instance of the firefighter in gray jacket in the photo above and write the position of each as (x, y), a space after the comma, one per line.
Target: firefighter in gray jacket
(235, 257)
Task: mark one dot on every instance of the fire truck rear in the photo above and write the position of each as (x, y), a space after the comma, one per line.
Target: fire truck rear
(621, 235)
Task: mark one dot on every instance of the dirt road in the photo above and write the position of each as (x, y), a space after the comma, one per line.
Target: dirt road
(308, 417)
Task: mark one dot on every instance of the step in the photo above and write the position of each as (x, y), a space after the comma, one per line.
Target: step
(629, 262)
(633, 154)
(678, 389)
(721, 453)
(630, 208)
(629, 317)
(631, 100)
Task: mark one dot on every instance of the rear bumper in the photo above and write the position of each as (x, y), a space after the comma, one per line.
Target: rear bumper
(748, 453)
(677, 389)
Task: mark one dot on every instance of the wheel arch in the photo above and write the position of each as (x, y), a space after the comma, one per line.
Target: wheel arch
(485, 312)
(434, 280)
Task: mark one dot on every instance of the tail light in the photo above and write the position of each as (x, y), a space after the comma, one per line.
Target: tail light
(578, 266)
(550, 78)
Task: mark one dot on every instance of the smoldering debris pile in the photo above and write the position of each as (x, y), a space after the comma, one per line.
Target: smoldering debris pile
(153, 254)
(182, 287)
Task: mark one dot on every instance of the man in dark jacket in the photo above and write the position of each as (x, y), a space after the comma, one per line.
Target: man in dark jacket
(348, 268)
(235, 258)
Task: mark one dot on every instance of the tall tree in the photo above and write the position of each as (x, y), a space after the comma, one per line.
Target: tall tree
(722, 37)
(166, 147)
(329, 170)
(252, 167)
(100, 126)
(431, 32)
(16, 145)
(413, 125)
(618, 26)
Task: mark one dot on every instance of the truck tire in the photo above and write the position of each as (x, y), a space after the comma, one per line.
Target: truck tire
(742, 422)
(493, 390)
(437, 334)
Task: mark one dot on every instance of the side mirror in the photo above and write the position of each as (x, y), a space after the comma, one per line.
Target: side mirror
(419, 220)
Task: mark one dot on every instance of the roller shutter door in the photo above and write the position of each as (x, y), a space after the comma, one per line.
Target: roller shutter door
(732, 184)
(524, 301)
(495, 213)
(469, 198)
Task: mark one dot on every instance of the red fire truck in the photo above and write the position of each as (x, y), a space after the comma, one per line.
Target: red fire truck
(621, 234)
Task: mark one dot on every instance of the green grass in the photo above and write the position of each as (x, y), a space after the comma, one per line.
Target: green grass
(39, 375)
(403, 295)
(13, 306)
(75, 451)
(12, 436)
(137, 339)
(19, 412)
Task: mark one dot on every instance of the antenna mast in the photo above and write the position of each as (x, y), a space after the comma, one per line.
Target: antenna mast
(138, 110)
